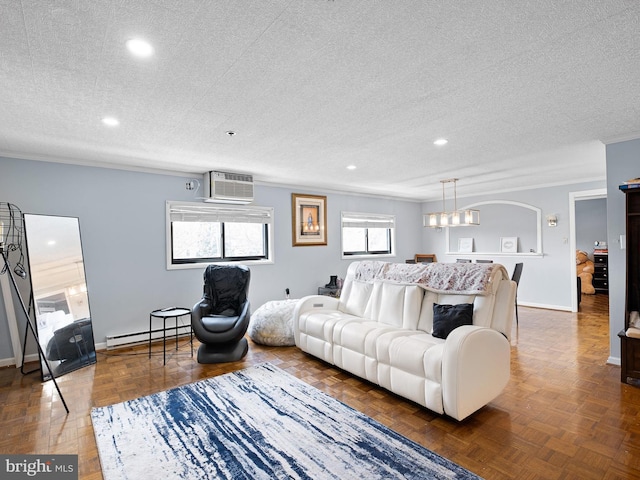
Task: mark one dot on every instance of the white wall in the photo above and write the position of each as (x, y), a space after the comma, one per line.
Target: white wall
(546, 280)
(122, 222)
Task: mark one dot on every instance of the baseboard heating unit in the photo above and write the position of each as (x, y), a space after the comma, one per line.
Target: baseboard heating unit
(139, 338)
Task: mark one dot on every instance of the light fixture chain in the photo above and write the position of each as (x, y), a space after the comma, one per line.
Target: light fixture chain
(455, 195)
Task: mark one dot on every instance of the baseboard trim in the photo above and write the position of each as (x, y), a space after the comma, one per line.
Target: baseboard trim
(140, 338)
(614, 361)
(562, 308)
(7, 362)
(137, 337)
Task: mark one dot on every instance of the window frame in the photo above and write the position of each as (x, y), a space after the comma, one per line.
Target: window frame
(366, 221)
(219, 213)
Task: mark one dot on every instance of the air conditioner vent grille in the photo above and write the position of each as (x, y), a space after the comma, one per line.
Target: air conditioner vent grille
(227, 187)
(233, 177)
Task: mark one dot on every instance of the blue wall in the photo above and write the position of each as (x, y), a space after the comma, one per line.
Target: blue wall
(122, 222)
(623, 163)
(122, 219)
(591, 223)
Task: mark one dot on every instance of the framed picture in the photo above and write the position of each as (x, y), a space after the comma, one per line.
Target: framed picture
(465, 245)
(308, 219)
(509, 244)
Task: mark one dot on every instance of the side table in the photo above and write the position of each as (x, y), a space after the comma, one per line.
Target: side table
(164, 314)
(329, 292)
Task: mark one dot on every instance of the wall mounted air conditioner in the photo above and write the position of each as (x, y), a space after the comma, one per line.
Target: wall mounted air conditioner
(225, 187)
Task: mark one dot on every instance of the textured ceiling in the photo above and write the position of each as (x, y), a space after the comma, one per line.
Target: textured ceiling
(525, 92)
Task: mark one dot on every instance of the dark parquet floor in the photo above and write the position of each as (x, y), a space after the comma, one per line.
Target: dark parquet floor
(564, 415)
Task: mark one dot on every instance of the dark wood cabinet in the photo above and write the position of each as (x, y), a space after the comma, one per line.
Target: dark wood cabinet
(601, 273)
(630, 346)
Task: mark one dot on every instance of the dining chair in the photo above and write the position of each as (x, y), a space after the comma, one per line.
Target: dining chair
(517, 272)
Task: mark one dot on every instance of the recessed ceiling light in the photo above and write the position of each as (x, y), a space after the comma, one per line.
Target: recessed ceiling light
(441, 141)
(51, 242)
(111, 121)
(139, 47)
(351, 167)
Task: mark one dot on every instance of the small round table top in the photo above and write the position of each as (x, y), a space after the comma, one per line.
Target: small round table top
(171, 312)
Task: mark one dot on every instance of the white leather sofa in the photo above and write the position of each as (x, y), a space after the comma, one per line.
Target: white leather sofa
(381, 329)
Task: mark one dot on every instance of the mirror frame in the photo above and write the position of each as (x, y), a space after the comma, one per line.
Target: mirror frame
(69, 333)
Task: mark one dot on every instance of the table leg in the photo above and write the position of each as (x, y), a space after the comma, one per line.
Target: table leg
(150, 316)
(164, 340)
(176, 334)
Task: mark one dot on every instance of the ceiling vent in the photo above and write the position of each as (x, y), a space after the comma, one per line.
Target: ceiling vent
(225, 187)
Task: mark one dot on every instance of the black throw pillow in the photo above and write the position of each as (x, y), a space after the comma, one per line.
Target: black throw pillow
(448, 317)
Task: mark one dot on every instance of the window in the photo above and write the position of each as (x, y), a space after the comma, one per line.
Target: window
(200, 233)
(367, 234)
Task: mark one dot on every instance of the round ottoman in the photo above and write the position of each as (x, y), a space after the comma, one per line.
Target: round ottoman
(272, 323)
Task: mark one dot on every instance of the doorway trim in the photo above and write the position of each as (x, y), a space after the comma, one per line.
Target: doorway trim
(573, 197)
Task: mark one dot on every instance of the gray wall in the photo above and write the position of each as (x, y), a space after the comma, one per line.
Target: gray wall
(123, 231)
(591, 223)
(623, 163)
(546, 280)
(122, 222)
(496, 221)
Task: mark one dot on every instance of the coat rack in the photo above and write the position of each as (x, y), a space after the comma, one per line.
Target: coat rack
(11, 239)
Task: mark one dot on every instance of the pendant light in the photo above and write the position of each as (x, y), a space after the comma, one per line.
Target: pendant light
(454, 218)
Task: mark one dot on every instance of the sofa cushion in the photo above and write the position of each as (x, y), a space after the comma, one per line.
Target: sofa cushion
(395, 304)
(407, 352)
(361, 336)
(357, 299)
(482, 306)
(448, 317)
(320, 323)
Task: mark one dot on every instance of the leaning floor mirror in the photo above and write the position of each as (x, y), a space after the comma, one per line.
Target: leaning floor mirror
(59, 293)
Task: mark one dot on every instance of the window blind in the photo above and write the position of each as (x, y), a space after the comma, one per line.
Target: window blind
(198, 212)
(367, 220)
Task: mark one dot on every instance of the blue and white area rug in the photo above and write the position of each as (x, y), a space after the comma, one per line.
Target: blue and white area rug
(257, 423)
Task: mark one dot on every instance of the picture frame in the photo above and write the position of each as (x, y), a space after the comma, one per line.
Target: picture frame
(465, 245)
(508, 244)
(308, 220)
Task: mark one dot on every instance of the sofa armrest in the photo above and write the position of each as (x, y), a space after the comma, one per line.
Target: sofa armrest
(309, 303)
(476, 365)
(315, 302)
